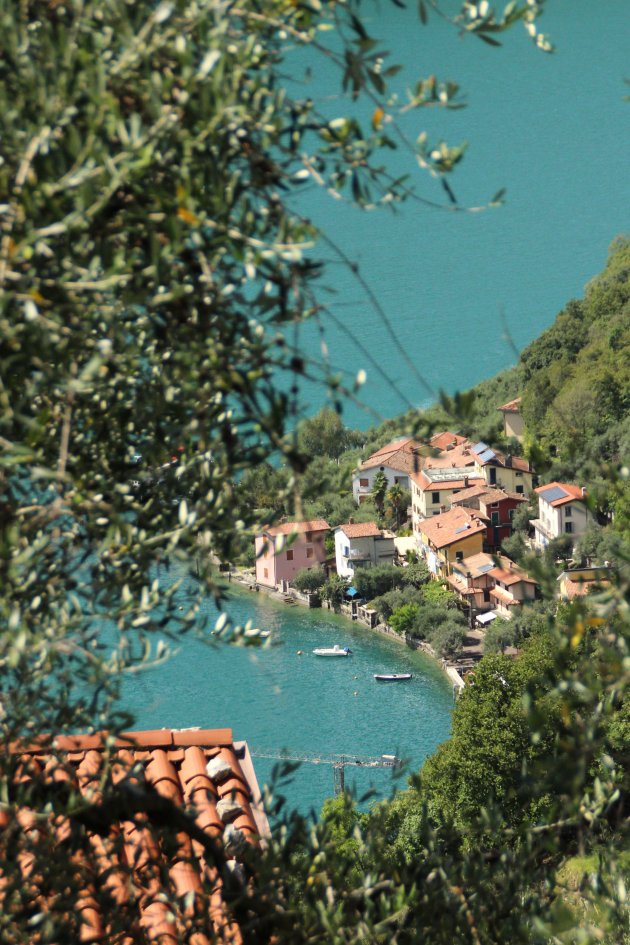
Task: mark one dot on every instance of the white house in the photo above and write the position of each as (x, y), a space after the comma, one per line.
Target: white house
(362, 545)
(397, 460)
(561, 511)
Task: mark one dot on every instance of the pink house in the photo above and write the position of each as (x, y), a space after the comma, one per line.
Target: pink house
(283, 550)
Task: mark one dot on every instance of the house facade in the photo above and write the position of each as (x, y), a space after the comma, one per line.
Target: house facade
(397, 461)
(491, 587)
(578, 582)
(433, 489)
(283, 550)
(561, 511)
(362, 545)
(512, 473)
(496, 505)
(513, 424)
(450, 537)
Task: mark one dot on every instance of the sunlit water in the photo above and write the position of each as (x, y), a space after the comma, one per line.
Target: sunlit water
(276, 699)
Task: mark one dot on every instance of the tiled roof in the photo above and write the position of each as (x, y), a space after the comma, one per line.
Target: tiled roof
(426, 483)
(571, 492)
(479, 489)
(452, 526)
(500, 495)
(401, 455)
(512, 406)
(289, 528)
(441, 441)
(360, 530)
(478, 564)
(131, 886)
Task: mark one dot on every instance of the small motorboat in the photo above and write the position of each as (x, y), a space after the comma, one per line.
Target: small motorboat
(335, 650)
(392, 677)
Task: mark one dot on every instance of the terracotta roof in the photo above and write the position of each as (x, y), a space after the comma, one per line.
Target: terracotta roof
(401, 455)
(478, 564)
(460, 586)
(512, 406)
(441, 441)
(571, 493)
(479, 489)
(125, 883)
(452, 526)
(316, 525)
(500, 495)
(360, 530)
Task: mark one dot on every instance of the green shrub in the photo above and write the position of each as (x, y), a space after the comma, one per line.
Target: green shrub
(309, 579)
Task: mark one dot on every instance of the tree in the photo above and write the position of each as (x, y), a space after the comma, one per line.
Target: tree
(498, 635)
(380, 486)
(404, 618)
(325, 435)
(309, 579)
(334, 590)
(373, 582)
(447, 638)
(398, 500)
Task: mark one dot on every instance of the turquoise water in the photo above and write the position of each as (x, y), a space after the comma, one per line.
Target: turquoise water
(463, 292)
(275, 699)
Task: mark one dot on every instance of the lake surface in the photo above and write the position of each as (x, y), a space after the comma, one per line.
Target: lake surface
(464, 292)
(275, 699)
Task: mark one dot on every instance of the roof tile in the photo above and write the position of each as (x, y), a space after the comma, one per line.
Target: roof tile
(452, 526)
(360, 530)
(289, 528)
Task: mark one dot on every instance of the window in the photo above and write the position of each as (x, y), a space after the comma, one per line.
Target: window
(309, 553)
(346, 551)
(519, 489)
(568, 512)
(486, 595)
(568, 527)
(493, 475)
(518, 473)
(364, 482)
(266, 572)
(494, 505)
(511, 514)
(290, 555)
(309, 536)
(435, 498)
(495, 518)
(459, 556)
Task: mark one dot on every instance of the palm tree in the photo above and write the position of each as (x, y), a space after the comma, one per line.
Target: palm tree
(379, 490)
(396, 500)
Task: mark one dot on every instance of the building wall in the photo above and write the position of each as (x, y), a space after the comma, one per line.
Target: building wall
(575, 514)
(306, 551)
(373, 552)
(440, 561)
(363, 480)
(513, 425)
(507, 478)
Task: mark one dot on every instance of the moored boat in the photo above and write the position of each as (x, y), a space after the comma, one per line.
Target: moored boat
(335, 650)
(392, 677)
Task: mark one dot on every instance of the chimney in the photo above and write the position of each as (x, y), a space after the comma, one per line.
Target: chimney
(465, 482)
(508, 460)
(469, 578)
(583, 492)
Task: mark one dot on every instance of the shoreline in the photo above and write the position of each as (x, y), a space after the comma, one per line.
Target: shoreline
(449, 668)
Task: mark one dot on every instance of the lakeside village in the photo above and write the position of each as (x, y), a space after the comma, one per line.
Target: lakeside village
(449, 555)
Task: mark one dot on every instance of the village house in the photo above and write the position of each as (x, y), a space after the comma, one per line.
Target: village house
(362, 545)
(433, 488)
(508, 472)
(512, 588)
(397, 461)
(450, 537)
(283, 550)
(578, 582)
(490, 586)
(561, 511)
(496, 505)
(513, 424)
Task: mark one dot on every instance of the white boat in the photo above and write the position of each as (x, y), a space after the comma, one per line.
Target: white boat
(392, 677)
(335, 650)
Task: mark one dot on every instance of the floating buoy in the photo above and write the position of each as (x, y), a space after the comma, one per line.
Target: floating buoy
(300, 653)
(356, 692)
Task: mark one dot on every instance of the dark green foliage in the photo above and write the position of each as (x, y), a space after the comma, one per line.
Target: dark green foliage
(374, 582)
(334, 589)
(309, 579)
(447, 637)
(325, 435)
(498, 635)
(379, 491)
(387, 603)
(404, 618)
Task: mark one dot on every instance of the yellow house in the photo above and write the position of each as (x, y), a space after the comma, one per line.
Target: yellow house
(512, 473)
(450, 537)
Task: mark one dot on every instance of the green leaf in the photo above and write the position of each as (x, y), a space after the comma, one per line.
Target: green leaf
(422, 10)
(488, 39)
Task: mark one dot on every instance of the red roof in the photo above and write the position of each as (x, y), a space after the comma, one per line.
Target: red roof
(442, 441)
(360, 530)
(452, 526)
(512, 406)
(290, 528)
(571, 491)
(125, 882)
(401, 455)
